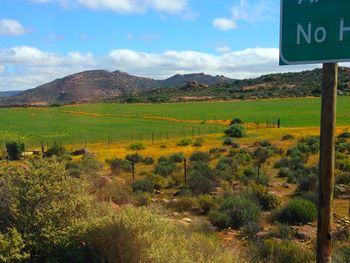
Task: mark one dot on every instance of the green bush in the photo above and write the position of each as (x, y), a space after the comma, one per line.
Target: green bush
(148, 161)
(184, 142)
(282, 163)
(219, 219)
(137, 147)
(142, 199)
(235, 131)
(287, 137)
(165, 169)
(228, 141)
(12, 247)
(14, 150)
(298, 211)
(177, 158)
(227, 168)
(134, 158)
(207, 203)
(343, 179)
(184, 203)
(118, 165)
(201, 178)
(55, 150)
(273, 251)
(198, 143)
(200, 157)
(143, 186)
(284, 172)
(240, 210)
(266, 200)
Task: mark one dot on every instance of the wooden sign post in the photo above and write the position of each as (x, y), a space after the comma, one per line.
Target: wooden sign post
(327, 160)
(318, 31)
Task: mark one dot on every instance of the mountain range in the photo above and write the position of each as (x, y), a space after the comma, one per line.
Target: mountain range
(101, 85)
(97, 85)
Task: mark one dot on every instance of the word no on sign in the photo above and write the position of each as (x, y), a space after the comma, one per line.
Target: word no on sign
(314, 31)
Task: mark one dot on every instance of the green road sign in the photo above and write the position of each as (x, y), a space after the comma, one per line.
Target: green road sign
(314, 31)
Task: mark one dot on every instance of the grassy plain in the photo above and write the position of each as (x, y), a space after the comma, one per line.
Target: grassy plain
(123, 123)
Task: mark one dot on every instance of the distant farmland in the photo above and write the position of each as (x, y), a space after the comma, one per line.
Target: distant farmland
(127, 122)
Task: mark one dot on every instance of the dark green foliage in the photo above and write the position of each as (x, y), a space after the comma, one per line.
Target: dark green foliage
(118, 165)
(134, 158)
(287, 137)
(148, 161)
(207, 203)
(137, 147)
(298, 211)
(228, 141)
(56, 149)
(165, 168)
(198, 143)
(261, 196)
(177, 158)
(250, 173)
(282, 163)
(343, 179)
(14, 150)
(201, 178)
(184, 142)
(236, 121)
(227, 168)
(344, 135)
(273, 251)
(310, 196)
(235, 131)
(143, 186)
(200, 157)
(342, 165)
(240, 210)
(219, 219)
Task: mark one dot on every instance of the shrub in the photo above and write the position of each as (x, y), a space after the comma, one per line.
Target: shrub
(207, 203)
(219, 219)
(165, 168)
(217, 150)
(14, 150)
(344, 135)
(177, 158)
(74, 169)
(55, 150)
(201, 179)
(282, 163)
(310, 196)
(227, 142)
(342, 254)
(163, 146)
(250, 173)
(184, 204)
(273, 251)
(184, 142)
(307, 182)
(200, 157)
(148, 161)
(90, 164)
(236, 121)
(198, 143)
(266, 200)
(137, 147)
(226, 169)
(116, 165)
(284, 172)
(143, 186)
(343, 179)
(287, 137)
(298, 211)
(240, 210)
(134, 158)
(12, 247)
(143, 199)
(235, 131)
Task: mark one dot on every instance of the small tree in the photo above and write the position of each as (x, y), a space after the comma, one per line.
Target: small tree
(14, 150)
(261, 155)
(235, 131)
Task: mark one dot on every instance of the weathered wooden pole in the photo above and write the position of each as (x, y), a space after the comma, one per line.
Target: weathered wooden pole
(185, 170)
(327, 159)
(133, 171)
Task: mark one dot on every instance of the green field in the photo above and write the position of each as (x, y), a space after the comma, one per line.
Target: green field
(124, 122)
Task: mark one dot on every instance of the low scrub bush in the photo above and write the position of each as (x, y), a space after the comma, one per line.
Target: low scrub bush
(14, 150)
(207, 203)
(148, 161)
(266, 200)
(219, 219)
(134, 158)
(184, 142)
(343, 179)
(298, 211)
(185, 203)
(228, 141)
(200, 157)
(282, 163)
(143, 186)
(240, 210)
(201, 178)
(165, 168)
(177, 158)
(273, 251)
(137, 147)
(287, 137)
(235, 131)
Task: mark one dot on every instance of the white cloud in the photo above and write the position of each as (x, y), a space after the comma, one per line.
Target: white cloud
(249, 11)
(31, 67)
(2, 69)
(125, 6)
(224, 24)
(9, 27)
(223, 49)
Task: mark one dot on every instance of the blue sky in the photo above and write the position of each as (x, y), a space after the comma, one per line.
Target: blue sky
(41, 40)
